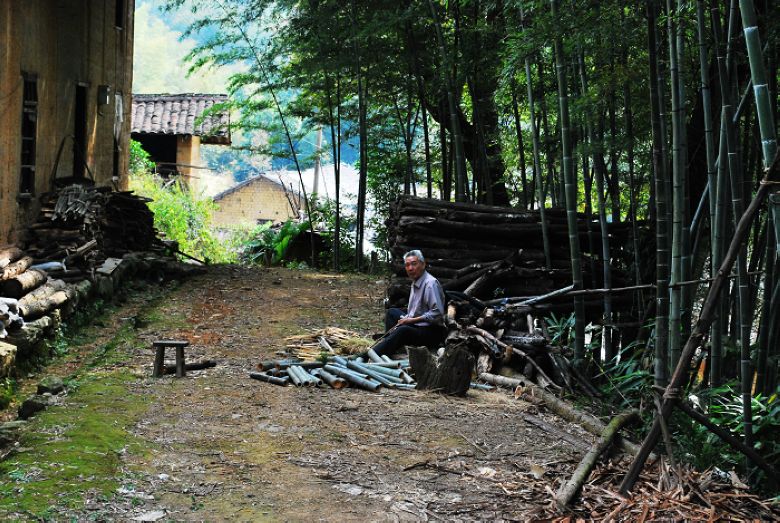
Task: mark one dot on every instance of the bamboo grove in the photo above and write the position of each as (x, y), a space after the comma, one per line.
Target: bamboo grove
(661, 114)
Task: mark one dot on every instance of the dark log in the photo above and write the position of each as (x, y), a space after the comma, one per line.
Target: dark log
(82, 250)
(14, 269)
(571, 488)
(9, 254)
(461, 283)
(22, 284)
(276, 380)
(450, 374)
(197, 365)
(488, 255)
(524, 341)
(425, 203)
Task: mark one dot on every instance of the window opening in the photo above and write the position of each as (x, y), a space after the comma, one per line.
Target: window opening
(80, 133)
(119, 14)
(29, 132)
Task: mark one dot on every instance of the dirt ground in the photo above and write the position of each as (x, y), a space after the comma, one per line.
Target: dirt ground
(218, 446)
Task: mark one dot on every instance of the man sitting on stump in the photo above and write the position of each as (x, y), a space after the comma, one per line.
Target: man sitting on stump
(423, 321)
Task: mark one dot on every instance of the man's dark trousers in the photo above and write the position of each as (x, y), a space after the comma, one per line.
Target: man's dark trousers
(430, 335)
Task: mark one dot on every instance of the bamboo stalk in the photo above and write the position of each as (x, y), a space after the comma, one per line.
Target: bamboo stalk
(571, 193)
(708, 312)
(571, 488)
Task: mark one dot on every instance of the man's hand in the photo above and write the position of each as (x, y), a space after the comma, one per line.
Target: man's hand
(408, 321)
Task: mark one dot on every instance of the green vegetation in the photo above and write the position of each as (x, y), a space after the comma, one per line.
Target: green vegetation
(178, 213)
(74, 451)
(269, 245)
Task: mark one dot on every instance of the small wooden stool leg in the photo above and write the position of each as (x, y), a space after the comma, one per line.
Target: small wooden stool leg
(180, 362)
(159, 362)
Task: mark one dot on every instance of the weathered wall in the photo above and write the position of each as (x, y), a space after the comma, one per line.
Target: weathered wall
(260, 199)
(188, 154)
(63, 43)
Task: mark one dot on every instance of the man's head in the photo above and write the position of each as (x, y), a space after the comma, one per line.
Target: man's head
(414, 263)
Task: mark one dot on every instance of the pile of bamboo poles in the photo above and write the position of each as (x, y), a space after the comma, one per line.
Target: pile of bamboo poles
(370, 373)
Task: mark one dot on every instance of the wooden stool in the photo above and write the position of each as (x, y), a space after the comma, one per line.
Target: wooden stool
(159, 356)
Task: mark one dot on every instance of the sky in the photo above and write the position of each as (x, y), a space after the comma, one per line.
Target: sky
(159, 67)
(158, 62)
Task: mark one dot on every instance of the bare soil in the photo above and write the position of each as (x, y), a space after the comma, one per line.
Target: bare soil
(219, 446)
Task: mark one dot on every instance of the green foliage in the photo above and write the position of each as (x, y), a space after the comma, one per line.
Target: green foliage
(560, 328)
(7, 391)
(705, 449)
(182, 216)
(268, 245)
(140, 160)
(628, 377)
(324, 216)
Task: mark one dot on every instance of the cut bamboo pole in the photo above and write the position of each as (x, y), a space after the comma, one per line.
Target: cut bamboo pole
(571, 488)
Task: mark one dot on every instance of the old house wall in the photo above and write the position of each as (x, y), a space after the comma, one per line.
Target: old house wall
(258, 201)
(67, 47)
(188, 155)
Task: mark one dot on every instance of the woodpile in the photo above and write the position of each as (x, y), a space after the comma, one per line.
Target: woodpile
(492, 266)
(497, 252)
(85, 242)
(80, 226)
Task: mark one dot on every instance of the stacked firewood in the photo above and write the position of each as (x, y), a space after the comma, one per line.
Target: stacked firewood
(491, 263)
(81, 226)
(493, 252)
(85, 240)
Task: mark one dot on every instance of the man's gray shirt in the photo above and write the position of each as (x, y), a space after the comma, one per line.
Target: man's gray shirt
(426, 299)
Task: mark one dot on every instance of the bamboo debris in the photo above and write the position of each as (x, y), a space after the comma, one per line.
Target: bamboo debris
(310, 347)
(571, 488)
(685, 495)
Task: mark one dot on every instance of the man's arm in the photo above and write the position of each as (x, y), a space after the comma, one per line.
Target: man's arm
(433, 302)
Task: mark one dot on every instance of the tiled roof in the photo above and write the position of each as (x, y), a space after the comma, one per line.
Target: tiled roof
(180, 114)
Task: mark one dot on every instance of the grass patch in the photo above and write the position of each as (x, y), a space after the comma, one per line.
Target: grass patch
(73, 450)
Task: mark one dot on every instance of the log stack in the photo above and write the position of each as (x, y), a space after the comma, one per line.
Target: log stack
(84, 225)
(490, 261)
(85, 242)
(495, 252)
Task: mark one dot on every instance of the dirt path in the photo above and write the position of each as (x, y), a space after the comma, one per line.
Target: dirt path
(218, 446)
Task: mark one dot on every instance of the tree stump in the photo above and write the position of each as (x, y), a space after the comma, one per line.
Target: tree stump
(450, 374)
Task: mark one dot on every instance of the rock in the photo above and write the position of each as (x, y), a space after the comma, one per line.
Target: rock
(51, 384)
(8, 432)
(32, 405)
(7, 358)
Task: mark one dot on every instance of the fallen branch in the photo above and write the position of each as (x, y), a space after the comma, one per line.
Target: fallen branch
(571, 488)
(198, 365)
(558, 406)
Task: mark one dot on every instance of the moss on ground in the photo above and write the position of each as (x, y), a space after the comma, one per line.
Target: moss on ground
(71, 451)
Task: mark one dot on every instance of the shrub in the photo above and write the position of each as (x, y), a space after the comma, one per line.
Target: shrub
(178, 214)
